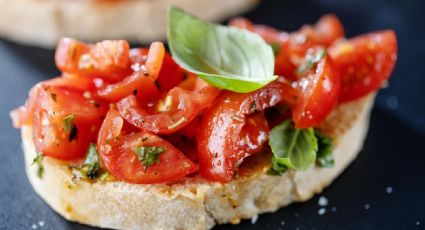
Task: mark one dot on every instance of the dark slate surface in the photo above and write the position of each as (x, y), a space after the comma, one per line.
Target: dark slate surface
(393, 154)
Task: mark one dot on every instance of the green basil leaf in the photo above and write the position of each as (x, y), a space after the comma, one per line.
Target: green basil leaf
(324, 154)
(293, 148)
(225, 57)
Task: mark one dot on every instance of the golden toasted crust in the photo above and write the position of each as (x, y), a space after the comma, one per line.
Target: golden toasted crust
(194, 203)
(43, 22)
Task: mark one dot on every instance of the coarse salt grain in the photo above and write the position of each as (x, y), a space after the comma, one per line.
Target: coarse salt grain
(41, 223)
(367, 206)
(418, 223)
(254, 219)
(323, 201)
(282, 223)
(322, 211)
(333, 209)
(389, 189)
(34, 226)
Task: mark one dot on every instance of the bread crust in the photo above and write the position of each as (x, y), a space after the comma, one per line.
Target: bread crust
(194, 203)
(43, 22)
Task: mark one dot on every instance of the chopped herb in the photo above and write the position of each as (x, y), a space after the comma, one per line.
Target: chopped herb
(145, 138)
(311, 60)
(54, 97)
(179, 122)
(276, 48)
(92, 161)
(324, 153)
(240, 119)
(68, 123)
(134, 92)
(38, 162)
(106, 176)
(157, 85)
(253, 107)
(148, 155)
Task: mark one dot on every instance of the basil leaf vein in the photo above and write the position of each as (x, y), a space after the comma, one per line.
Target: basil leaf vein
(225, 57)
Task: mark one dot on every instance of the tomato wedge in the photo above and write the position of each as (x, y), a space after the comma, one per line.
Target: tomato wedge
(176, 109)
(118, 155)
(65, 122)
(319, 89)
(364, 62)
(142, 82)
(226, 134)
(293, 46)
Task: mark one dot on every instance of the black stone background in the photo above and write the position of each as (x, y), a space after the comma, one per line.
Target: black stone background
(393, 154)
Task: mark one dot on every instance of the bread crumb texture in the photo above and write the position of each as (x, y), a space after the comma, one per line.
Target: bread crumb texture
(194, 203)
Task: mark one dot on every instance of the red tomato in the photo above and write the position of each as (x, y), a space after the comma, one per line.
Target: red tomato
(170, 75)
(176, 109)
(53, 106)
(293, 46)
(120, 159)
(146, 67)
(319, 91)
(226, 135)
(364, 62)
(23, 115)
(108, 60)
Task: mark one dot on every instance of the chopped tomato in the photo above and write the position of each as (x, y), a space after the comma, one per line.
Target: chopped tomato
(364, 62)
(319, 90)
(170, 75)
(65, 122)
(142, 82)
(293, 46)
(118, 155)
(226, 134)
(176, 109)
(108, 60)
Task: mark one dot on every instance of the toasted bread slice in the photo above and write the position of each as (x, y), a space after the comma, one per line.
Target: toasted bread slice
(194, 203)
(43, 22)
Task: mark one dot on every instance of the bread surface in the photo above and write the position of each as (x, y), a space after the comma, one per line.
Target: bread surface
(43, 22)
(194, 203)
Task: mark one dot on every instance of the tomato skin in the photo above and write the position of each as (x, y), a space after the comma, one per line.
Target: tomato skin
(118, 156)
(364, 62)
(176, 109)
(222, 130)
(170, 75)
(49, 135)
(108, 60)
(294, 45)
(146, 67)
(319, 93)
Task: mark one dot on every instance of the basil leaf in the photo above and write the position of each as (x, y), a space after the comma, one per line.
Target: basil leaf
(324, 154)
(293, 148)
(92, 162)
(225, 57)
(148, 155)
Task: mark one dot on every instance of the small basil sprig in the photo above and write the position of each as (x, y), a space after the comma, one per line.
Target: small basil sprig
(225, 57)
(38, 161)
(90, 168)
(148, 155)
(292, 148)
(324, 154)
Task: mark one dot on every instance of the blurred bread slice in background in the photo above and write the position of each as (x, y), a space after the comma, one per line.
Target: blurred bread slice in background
(43, 22)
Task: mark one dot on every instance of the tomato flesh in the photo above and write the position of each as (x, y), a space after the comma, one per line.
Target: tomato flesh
(54, 105)
(319, 93)
(174, 111)
(118, 155)
(227, 135)
(364, 62)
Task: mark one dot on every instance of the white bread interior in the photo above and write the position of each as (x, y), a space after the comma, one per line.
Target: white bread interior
(194, 203)
(43, 22)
